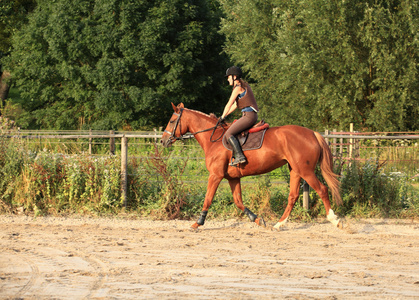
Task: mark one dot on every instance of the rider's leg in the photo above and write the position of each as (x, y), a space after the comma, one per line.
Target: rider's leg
(237, 151)
(246, 121)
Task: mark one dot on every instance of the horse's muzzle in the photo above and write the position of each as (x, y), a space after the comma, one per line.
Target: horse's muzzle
(166, 142)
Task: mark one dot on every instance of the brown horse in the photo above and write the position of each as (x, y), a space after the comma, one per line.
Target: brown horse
(301, 148)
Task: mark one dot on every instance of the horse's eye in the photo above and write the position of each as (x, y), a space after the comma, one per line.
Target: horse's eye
(172, 121)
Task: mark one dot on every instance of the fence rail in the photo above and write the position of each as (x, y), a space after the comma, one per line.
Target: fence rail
(64, 134)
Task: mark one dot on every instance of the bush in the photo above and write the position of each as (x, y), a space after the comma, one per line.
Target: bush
(12, 159)
(164, 184)
(368, 192)
(54, 183)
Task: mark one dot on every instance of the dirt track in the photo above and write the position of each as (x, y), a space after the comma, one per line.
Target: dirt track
(82, 258)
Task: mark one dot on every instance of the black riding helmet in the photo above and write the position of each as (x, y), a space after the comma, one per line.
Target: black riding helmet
(234, 71)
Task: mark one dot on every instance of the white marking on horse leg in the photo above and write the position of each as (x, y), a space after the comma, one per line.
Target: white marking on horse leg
(333, 218)
(280, 224)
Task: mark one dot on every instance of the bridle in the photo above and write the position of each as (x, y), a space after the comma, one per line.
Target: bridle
(174, 138)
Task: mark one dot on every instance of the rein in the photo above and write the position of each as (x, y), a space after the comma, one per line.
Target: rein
(181, 137)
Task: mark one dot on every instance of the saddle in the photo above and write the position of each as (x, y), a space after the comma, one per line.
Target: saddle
(250, 139)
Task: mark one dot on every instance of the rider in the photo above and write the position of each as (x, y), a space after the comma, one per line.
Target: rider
(241, 97)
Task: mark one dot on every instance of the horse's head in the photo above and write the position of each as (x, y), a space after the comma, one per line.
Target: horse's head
(174, 130)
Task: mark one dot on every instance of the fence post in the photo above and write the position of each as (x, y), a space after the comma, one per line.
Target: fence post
(306, 195)
(155, 134)
(334, 148)
(124, 159)
(351, 147)
(90, 142)
(112, 142)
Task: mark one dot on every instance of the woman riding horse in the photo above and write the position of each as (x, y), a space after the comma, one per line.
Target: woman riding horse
(241, 97)
(300, 148)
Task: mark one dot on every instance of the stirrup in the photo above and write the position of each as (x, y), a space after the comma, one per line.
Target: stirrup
(236, 161)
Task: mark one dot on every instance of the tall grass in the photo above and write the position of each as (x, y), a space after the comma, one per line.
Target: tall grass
(171, 183)
(368, 191)
(394, 155)
(51, 183)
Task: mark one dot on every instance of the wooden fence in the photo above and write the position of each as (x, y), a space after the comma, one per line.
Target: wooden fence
(344, 145)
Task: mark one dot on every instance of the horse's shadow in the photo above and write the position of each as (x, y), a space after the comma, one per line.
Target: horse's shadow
(234, 225)
(268, 227)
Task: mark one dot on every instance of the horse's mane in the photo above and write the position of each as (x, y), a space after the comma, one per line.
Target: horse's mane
(211, 116)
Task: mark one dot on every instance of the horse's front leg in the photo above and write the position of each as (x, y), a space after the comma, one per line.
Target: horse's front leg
(295, 179)
(213, 182)
(235, 186)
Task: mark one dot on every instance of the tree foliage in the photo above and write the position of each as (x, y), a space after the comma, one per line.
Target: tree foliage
(323, 63)
(13, 14)
(113, 64)
(119, 63)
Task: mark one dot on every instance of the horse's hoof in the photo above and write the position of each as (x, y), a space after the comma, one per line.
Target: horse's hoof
(279, 225)
(195, 226)
(340, 224)
(260, 221)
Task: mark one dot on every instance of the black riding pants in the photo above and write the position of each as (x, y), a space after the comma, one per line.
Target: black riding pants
(248, 119)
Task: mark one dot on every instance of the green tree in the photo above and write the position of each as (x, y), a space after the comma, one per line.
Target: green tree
(13, 14)
(113, 64)
(325, 63)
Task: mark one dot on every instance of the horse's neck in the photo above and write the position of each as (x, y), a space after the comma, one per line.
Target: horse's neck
(198, 123)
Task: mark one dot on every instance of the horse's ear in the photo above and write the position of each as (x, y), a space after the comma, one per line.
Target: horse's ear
(178, 107)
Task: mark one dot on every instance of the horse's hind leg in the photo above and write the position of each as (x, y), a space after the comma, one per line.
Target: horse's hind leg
(322, 190)
(292, 198)
(237, 196)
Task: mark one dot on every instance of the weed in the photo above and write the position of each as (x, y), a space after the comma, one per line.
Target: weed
(173, 195)
(172, 183)
(365, 187)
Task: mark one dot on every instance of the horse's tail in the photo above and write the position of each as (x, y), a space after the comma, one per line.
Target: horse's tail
(326, 166)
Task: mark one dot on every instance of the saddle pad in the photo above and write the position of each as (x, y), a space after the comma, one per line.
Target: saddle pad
(254, 141)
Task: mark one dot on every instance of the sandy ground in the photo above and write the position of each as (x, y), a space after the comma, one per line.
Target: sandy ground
(103, 258)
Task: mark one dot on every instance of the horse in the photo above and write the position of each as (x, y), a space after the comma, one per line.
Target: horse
(299, 147)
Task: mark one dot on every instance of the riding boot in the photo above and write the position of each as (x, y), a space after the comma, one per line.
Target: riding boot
(237, 152)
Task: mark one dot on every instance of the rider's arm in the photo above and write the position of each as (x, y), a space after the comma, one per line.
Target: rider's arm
(229, 111)
(232, 104)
